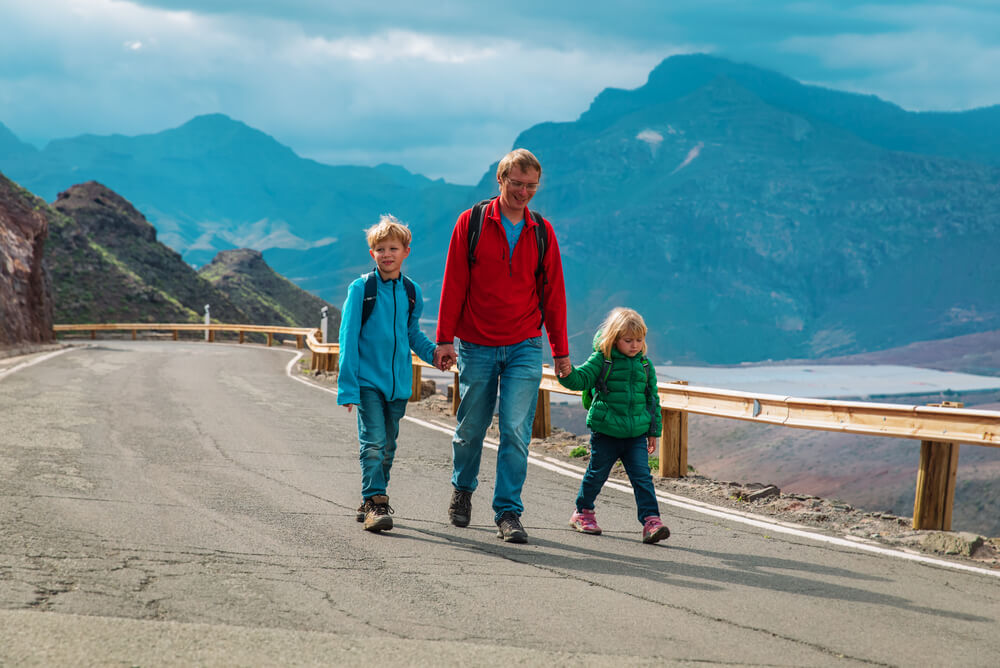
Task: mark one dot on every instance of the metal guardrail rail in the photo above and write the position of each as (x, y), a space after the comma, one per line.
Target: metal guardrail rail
(941, 428)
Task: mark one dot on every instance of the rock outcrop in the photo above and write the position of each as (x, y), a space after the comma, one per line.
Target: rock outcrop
(25, 302)
(266, 296)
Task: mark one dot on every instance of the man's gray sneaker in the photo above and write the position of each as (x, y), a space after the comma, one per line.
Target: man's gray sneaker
(509, 528)
(460, 508)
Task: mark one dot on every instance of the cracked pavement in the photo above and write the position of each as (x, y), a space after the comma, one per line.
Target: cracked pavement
(175, 503)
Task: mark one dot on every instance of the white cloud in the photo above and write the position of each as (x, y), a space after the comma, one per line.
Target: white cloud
(927, 70)
(116, 67)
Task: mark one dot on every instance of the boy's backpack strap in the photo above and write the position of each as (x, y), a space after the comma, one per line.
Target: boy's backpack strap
(371, 292)
(411, 297)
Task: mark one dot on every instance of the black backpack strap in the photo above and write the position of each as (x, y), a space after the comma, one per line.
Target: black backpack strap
(371, 290)
(541, 279)
(411, 297)
(476, 227)
(601, 382)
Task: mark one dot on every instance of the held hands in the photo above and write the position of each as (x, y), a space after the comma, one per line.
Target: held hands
(444, 356)
(349, 407)
(651, 443)
(563, 366)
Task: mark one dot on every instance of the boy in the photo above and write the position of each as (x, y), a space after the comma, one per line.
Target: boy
(376, 373)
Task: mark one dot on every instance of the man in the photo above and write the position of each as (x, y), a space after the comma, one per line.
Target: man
(495, 304)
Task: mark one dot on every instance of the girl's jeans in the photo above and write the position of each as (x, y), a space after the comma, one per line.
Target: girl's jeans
(378, 427)
(517, 370)
(604, 452)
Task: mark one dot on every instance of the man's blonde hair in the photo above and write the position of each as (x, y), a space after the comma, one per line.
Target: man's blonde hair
(388, 227)
(621, 322)
(522, 158)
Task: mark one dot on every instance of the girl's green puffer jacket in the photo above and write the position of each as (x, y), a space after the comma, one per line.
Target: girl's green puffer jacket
(623, 412)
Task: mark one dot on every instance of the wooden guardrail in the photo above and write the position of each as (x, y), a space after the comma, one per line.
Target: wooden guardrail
(300, 333)
(940, 428)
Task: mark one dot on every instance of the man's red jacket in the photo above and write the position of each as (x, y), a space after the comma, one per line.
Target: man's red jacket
(496, 303)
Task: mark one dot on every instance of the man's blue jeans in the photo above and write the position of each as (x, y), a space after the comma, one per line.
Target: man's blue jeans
(604, 452)
(517, 371)
(378, 427)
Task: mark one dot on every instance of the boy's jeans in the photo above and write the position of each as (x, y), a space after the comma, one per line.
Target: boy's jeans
(378, 427)
(518, 370)
(604, 452)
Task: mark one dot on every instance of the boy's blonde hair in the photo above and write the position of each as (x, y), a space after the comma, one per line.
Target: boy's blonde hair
(621, 322)
(388, 227)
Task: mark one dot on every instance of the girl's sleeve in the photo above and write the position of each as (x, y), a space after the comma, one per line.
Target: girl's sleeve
(348, 390)
(656, 415)
(419, 342)
(583, 377)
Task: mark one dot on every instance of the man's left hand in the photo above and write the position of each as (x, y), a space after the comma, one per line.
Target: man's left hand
(563, 366)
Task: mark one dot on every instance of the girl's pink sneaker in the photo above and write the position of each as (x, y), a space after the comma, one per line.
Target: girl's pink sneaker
(653, 530)
(585, 522)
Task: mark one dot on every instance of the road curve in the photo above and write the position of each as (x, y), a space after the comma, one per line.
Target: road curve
(178, 503)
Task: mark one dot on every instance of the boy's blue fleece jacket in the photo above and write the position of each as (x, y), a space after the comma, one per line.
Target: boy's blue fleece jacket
(378, 355)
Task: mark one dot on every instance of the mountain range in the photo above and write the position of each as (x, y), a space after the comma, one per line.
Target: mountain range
(746, 215)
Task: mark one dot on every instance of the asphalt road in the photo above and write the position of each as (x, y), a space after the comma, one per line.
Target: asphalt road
(169, 503)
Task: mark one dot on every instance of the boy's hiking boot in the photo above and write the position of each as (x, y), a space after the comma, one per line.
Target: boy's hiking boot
(509, 528)
(653, 530)
(460, 508)
(363, 510)
(377, 518)
(585, 522)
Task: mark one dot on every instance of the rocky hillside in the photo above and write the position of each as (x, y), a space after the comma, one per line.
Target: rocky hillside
(107, 266)
(264, 295)
(25, 302)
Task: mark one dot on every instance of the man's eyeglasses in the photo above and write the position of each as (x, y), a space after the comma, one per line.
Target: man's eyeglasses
(517, 185)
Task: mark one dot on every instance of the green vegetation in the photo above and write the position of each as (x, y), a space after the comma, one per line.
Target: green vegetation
(579, 451)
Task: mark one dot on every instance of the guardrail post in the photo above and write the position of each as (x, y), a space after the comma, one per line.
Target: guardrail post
(298, 342)
(673, 444)
(270, 339)
(935, 497)
(93, 334)
(241, 336)
(135, 335)
(455, 399)
(415, 391)
(176, 335)
(542, 426)
(208, 321)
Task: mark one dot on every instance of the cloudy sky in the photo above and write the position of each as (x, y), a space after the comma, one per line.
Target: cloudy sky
(444, 87)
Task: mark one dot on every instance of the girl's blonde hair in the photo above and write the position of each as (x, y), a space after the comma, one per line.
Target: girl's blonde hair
(621, 322)
(388, 227)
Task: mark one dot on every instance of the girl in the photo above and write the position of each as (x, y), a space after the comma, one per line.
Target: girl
(624, 419)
